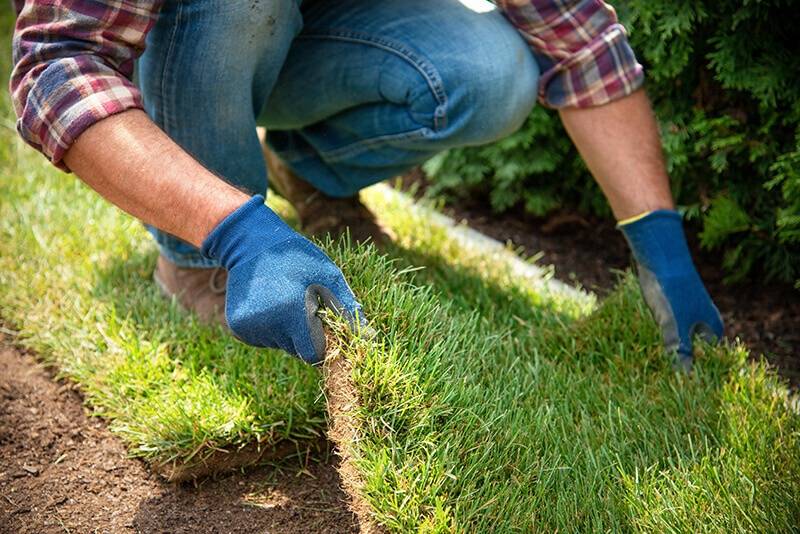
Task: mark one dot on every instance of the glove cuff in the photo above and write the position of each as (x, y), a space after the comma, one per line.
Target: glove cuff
(253, 226)
(658, 242)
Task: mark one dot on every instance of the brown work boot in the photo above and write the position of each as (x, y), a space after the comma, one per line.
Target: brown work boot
(320, 214)
(199, 290)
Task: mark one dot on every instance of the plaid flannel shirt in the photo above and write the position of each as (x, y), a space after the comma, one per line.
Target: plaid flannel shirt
(73, 60)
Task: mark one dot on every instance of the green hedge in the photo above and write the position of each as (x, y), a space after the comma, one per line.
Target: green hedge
(724, 77)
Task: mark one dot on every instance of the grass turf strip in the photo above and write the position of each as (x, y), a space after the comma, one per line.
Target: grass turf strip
(482, 406)
(515, 421)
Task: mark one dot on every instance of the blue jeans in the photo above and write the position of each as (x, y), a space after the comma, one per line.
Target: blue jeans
(351, 91)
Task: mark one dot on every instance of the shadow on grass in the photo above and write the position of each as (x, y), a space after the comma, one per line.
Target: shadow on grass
(509, 306)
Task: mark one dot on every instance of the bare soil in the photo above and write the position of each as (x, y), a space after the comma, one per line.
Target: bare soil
(63, 471)
(587, 251)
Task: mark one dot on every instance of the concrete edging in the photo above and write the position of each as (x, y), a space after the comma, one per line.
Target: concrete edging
(536, 276)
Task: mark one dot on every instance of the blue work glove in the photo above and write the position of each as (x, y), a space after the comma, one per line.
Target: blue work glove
(670, 283)
(277, 281)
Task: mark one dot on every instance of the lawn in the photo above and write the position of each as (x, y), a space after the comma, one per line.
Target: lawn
(483, 404)
(486, 408)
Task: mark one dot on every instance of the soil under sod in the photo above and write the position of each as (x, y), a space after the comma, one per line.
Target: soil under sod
(61, 471)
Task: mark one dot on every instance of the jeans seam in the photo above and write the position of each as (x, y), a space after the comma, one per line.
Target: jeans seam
(353, 149)
(166, 242)
(187, 260)
(427, 70)
(193, 259)
(167, 119)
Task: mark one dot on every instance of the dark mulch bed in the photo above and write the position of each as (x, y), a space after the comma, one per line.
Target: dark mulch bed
(61, 471)
(586, 251)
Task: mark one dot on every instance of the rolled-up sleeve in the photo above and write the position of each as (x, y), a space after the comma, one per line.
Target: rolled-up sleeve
(73, 65)
(582, 50)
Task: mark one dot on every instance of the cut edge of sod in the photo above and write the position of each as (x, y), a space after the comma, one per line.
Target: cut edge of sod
(342, 402)
(217, 461)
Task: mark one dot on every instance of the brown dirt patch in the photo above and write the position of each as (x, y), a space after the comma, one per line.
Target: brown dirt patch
(62, 471)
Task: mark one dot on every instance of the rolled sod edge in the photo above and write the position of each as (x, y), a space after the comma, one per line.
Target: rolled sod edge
(342, 403)
(221, 461)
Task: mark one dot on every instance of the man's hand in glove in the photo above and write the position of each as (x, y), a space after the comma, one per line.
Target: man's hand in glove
(670, 283)
(277, 281)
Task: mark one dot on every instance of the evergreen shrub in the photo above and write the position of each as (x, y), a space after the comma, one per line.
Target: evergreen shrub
(724, 77)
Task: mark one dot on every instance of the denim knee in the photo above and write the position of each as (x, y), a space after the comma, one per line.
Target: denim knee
(371, 89)
(490, 97)
(471, 97)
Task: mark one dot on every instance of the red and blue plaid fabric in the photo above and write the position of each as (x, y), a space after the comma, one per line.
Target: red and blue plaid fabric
(582, 48)
(73, 60)
(73, 64)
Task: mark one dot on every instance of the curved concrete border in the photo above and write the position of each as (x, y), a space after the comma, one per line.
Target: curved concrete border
(540, 278)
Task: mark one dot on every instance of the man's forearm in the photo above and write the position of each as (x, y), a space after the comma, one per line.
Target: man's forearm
(133, 164)
(621, 146)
